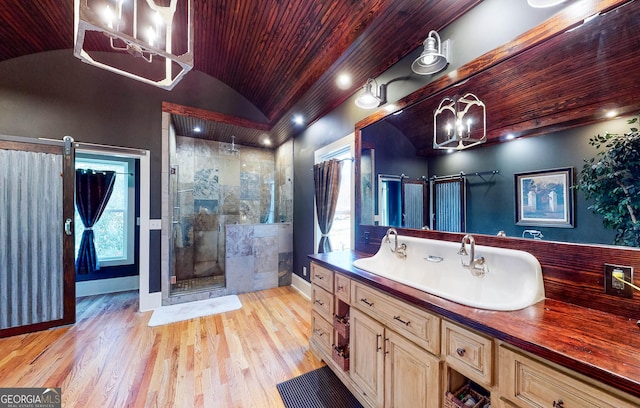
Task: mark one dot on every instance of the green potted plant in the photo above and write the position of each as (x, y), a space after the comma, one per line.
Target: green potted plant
(611, 180)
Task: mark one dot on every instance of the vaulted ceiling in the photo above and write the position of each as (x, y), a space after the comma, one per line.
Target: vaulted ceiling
(283, 56)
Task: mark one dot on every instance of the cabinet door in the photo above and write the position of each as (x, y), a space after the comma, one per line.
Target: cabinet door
(367, 356)
(529, 383)
(412, 376)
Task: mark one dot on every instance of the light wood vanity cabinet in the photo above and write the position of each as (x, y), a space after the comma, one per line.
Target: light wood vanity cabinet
(390, 370)
(417, 325)
(322, 307)
(403, 356)
(468, 352)
(394, 350)
(527, 382)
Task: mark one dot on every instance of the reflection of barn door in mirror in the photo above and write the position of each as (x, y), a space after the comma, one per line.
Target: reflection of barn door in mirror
(448, 203)
(36, 235)
(414, 194)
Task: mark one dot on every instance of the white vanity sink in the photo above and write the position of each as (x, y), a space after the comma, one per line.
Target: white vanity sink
(512, 279)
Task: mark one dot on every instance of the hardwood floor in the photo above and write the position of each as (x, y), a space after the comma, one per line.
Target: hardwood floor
(111, 358)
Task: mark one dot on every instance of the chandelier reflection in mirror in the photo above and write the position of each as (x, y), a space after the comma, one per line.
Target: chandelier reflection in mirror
(459, 123)
(136, 38)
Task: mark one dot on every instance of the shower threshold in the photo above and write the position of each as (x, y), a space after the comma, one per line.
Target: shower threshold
(197, 284)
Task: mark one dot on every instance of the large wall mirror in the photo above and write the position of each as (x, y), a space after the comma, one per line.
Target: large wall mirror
(543, 104)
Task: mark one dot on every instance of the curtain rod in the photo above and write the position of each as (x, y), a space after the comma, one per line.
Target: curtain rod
(95, 146)
(463, 174)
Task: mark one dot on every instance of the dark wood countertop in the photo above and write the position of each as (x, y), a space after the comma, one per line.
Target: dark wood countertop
(600, 345)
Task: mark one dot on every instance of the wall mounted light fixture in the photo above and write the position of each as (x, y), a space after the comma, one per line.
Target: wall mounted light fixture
(136, 38)
(435, 56)
(372, 98)
(459, 123)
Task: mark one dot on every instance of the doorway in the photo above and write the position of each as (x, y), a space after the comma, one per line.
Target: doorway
(116, 233)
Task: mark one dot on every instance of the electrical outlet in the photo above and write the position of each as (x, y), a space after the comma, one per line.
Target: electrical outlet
(304, 271)
(613, 286)
(173, 279)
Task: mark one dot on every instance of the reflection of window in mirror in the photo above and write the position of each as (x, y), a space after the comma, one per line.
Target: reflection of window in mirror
(341, 233)
(367, 187)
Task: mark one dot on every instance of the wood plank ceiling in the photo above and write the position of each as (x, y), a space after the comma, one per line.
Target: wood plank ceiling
(283, 56)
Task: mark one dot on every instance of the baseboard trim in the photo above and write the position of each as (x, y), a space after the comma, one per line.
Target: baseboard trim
(301, 286)
(111, 285)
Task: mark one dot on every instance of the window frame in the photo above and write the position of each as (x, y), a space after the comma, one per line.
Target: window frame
(328, 152)
(86, 159)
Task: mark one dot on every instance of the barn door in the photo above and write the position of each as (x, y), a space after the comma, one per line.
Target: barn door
(37, 273)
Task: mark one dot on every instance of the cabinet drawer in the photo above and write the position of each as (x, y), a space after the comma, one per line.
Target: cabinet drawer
(322, 302)
(467, 352)
(530, 383)
(342, 286)
(417, 325)
(322, 277)
(321, 332)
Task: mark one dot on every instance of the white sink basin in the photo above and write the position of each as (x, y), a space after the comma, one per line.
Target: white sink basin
(513, 279)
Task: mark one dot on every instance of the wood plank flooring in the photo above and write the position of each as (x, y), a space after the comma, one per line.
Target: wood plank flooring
(111, 358)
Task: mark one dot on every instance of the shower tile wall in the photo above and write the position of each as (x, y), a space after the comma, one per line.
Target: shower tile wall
(216, 188)
(259, 256)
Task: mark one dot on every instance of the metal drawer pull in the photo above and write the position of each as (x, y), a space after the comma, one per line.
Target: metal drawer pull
(319, 332)
(558, 404)
(320, 303)
(340, 287)
(319, 276)
(401, 321)
(460, 351)
(378, 347)
(366, 302)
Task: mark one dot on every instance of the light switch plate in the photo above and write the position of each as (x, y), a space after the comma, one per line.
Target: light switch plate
(612, 286)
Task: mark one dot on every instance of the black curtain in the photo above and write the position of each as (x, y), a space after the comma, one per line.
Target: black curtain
(93, 190)
(326, 177)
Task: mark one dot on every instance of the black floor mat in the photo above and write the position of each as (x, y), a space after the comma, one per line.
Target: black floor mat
(317, 389)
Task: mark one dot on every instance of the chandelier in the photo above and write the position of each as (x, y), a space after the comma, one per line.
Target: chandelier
(136, 38)
(459, 123)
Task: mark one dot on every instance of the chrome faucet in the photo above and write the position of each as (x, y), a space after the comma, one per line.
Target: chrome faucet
(477, 266)
(400, 251)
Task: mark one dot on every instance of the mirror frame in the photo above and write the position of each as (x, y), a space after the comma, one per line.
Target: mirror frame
(570, 17)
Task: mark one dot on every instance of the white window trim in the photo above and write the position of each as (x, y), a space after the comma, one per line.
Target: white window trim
(131, 209)
(325, 153)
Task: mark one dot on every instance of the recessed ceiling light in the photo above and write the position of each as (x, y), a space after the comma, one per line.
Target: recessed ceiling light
(510, 136)
(197, 129)
(611, 113)
(544, 3)
(266, 141)
(343, 81)
(298, 120)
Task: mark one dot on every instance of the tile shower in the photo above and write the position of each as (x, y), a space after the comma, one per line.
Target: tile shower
(230, 214)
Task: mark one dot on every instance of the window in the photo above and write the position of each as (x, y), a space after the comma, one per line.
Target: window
(114, 231)
(341, 233)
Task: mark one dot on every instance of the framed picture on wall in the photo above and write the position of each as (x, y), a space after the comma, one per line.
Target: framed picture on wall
(544, 198)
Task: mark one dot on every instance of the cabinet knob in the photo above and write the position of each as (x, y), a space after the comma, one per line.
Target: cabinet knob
(460, 351)
(340, 287)
(558, 404)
